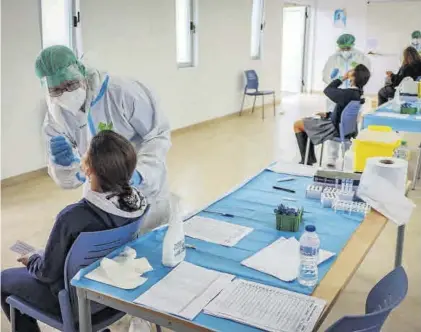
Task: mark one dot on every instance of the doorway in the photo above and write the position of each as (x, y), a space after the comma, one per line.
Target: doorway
(294, 48)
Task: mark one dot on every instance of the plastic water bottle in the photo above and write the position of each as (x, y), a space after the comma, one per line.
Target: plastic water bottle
(309, 256)
(402, 152)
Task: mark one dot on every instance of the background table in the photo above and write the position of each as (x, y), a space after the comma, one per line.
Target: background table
(252, 205)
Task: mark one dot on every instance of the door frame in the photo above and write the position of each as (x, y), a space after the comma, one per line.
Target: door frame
(306, 66)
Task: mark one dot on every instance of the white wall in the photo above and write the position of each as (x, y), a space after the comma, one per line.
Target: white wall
(136, 38)
(325, 33)
(22, 149)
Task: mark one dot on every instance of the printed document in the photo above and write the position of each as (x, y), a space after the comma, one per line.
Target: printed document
(185, 291)
(265, 307)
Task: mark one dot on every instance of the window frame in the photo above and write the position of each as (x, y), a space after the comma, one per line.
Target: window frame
(192, 39)
(258, 38)
(69, 5)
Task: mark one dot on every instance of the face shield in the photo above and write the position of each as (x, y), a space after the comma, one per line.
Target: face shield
(65, 89)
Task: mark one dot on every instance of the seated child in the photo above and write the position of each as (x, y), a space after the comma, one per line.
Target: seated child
(327, 127)
(110, 203)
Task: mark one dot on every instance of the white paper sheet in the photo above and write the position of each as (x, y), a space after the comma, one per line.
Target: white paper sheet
(386, 199)
(391, 115)
(268, 308)
(215, 231)
(22, 248)
(281, 259)
(186, 290)
(293, 169)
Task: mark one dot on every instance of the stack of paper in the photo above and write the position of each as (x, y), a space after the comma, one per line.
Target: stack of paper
(215, 231)
(293, 169)
(185, 291)
(267, 308)
(281, 259)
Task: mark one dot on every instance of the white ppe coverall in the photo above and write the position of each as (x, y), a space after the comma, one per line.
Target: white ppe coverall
(128, 108)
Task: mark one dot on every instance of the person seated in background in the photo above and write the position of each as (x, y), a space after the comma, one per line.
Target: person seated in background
(411, 67)
(110, 203)
(326, 127)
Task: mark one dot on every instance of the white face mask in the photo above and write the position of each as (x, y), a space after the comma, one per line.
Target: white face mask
(346, 54)
(71, 101)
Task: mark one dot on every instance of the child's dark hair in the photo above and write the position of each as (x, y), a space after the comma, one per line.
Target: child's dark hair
(113, 159)
(361, 76)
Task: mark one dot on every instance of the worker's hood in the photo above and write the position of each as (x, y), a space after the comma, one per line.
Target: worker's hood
(115, 206)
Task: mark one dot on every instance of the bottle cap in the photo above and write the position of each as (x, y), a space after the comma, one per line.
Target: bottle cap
(310, 228)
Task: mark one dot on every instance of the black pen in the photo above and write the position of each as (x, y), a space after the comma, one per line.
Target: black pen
(221, 214)
(284, 189)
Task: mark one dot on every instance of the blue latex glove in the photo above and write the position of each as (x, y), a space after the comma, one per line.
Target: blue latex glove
(81, 177)
(62, 151)
(334, 73)
(136, 179)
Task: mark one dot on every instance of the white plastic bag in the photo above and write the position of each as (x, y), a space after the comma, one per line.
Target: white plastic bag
(139, 325)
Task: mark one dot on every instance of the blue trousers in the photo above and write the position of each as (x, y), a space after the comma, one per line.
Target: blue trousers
(19, 282)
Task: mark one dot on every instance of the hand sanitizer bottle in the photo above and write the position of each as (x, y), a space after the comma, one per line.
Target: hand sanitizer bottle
(173, 247)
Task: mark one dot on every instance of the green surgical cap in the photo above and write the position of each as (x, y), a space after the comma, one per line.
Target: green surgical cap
(346, 40)
(58, 64)
(416, 34)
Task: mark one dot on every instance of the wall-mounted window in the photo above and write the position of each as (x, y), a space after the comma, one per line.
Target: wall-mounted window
(56, 22)
(257, 26)
(185, 32)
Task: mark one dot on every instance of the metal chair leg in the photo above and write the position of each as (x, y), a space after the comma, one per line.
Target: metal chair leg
(242, 104)
(13, 319)
(321, 155)
(343, 155)
(274, 107)
(417, 170)
(307, 151)
(254, 103)
(263, 107)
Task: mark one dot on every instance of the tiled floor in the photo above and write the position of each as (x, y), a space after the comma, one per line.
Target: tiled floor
(207, 161)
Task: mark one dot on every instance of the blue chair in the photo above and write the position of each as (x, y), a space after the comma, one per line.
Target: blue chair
(382, 299)
(253, 84)
(88, 248)
(347, 126)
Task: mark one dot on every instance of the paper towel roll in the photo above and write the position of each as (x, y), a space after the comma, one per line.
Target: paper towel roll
(393, 170)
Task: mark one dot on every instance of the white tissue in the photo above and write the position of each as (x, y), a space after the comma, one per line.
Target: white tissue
(123, 271)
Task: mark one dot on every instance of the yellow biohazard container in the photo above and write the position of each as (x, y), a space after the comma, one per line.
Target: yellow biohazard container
(370, 144)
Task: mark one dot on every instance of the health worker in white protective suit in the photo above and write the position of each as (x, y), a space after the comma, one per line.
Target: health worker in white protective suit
(338, 64)
(81, 102)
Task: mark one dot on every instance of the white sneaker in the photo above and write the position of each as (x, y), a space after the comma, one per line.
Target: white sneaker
(139, 325)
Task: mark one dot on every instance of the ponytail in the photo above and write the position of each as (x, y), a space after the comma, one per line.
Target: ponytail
(129, 198)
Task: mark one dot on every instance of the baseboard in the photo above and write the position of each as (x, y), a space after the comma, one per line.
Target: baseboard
(15, 180)
(221, 118)
(18, 179)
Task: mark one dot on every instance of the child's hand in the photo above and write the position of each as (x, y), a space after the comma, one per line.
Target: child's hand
(323, 115)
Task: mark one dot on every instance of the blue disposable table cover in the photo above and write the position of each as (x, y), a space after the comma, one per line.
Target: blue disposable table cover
(411, 123)
(252, 205)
